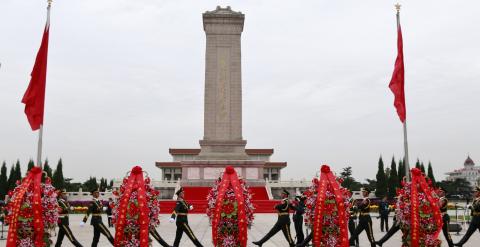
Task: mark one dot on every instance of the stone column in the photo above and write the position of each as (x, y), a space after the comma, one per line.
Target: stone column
(222, 138)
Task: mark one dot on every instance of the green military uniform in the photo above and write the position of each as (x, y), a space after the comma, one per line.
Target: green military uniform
(283, 223)
(365, 222)
(63, 224)
(180, 213)
(475, 222)
(95, 209)
(446, 220)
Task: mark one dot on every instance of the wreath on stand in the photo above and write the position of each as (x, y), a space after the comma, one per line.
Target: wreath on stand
(32, 211)
(230, 210)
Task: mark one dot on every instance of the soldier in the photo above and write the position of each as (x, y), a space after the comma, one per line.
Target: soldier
(157, 237)
(475, 223)
(446, 218)
(299, 208)
(95, 209)
(353, 217)
(283, 222)
(180, 213)
(394, 229)
(63, 222)
(365, 221)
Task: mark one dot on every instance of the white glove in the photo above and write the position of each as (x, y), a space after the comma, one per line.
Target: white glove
(191, 207)
(171, 220)
(72, 208)
(104, 208)
(82, 224)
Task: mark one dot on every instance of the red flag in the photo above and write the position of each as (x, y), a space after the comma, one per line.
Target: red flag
(34, 97)
(397, 84)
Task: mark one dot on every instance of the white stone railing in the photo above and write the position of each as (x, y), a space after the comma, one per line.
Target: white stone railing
(289, 183)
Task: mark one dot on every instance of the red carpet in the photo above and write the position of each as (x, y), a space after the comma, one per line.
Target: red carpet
(197, 196)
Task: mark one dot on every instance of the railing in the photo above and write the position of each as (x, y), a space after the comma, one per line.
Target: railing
(291, 183)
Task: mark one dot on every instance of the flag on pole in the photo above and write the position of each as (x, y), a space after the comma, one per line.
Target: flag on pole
(34, 97)
(397, 83)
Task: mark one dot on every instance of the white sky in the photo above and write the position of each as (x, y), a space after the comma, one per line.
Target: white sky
(125, 82)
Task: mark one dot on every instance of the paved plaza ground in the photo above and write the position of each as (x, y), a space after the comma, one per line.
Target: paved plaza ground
(201, 228)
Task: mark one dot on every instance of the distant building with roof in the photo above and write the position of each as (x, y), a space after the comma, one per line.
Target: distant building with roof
(469, 172)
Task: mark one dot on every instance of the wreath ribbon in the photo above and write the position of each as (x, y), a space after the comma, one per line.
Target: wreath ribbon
(134, 182)
(327, 178)
(230, 177)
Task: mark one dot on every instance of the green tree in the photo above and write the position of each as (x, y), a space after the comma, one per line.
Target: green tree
(458, 187)
(417, 165)
(393, 180)
(3, 181)
(381, 188)
(103, 184)
(90, 184)
(110, 185)
(58, 180)
(422, 168)
(30, 165)
(430, 173)
(69, 186)
(348, 181)
(47, 169)
(11, 178)
(401, 172)
(18, 171)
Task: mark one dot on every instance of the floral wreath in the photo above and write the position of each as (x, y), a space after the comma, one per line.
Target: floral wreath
(32, 211)
(136, 210)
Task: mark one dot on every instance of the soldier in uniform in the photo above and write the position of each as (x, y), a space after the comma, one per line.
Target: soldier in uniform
(95, 209)
(299, 208)
(446, 218)
(353, 217)
(475, 223)
(63, 222)
(283, 222)
(394, 229)
(180, 213)
(365, 221)
(157, 237)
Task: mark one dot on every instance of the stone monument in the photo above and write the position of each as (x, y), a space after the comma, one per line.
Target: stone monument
(222, 143)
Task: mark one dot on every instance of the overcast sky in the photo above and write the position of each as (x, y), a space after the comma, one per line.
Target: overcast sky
(126, 79)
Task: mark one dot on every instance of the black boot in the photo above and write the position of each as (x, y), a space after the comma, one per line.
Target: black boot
(257, 243)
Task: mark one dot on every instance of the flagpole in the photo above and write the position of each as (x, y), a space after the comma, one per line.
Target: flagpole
(405, 139)
(40, 132)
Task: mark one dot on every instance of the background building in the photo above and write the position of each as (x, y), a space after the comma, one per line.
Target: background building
(469, 172)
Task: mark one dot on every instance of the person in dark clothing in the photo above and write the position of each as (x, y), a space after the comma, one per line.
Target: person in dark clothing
(353, 217)
(283, 222)
(475, 223)
(384, 210)
(180, 213)
(299, 208)
(445, 217)
(109, 211)
(95, 209)
(365, 221)
(63, 222)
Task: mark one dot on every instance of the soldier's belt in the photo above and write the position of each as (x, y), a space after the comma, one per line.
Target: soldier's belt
(476, 213)
(280, 214)
(62, 215)
(182, 214)
(364, 214)
(96, 214)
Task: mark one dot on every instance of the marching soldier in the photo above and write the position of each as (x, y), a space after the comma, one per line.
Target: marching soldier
(394, 229)
(63, 222)
(365, 221)
(157, 237)
(475, 223)
(95, 209)
(299, 208)
(283, 222)
(180, 213)
(353, 217)
(446, 218)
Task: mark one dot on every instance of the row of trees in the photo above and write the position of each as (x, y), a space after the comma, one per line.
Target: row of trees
(8, 183)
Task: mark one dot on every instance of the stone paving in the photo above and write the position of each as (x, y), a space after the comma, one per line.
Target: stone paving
(201, 228)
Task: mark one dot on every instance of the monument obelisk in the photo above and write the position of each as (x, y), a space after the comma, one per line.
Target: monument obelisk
(222, 138)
